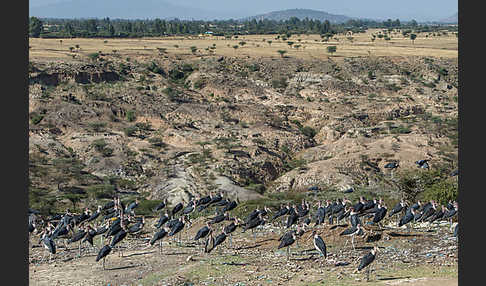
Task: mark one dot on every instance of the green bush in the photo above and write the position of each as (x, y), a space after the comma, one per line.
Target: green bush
(97, 126)
(331, 49)
(200, 83)
(442, 192)
(308, 131)
(280, 82)
(100, 191)
(157, 142)
(131, 115)
(146, 207)
(99, 144)
(36, 118)
(130, 131)
(153, 67)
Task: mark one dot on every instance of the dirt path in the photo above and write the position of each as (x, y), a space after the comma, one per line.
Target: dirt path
(415, 260)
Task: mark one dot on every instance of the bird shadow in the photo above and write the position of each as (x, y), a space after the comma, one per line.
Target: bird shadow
(140, 253)
(304, 259)
(122, 267)
(265, 240)
(392, 278)
(396, 234)
(234, 264)
(364, 247)
(337, 225)
(248, 247)
(177, 253)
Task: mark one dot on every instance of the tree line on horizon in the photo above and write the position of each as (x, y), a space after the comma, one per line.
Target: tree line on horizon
(124, 28)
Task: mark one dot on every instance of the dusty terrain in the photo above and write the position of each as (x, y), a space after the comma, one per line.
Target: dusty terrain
(138, 121)
(416, 258)
(311, 46)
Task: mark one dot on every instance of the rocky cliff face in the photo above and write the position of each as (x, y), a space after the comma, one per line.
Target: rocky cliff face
(173, 129)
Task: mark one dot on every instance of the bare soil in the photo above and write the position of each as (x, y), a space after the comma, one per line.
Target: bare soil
(416, 258)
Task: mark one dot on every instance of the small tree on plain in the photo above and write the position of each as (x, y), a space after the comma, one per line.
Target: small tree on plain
(282, 52)
(413, 37)
(331, 49)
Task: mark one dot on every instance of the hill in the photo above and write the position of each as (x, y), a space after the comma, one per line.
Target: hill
(302, 14)
(450, 20)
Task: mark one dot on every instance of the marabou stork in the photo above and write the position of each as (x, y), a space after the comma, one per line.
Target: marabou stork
(158, 236)
(104, 251)
(49, 244)
(163, 219)
(319, 244)
(229, 206)
(286, 241)
(177, 208)
(161, 205)
(95, 215)
(366, 260)
(352, 231)
(380, 213)
(408, 217)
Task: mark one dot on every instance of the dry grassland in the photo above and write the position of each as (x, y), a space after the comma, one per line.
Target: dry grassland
(311, 46)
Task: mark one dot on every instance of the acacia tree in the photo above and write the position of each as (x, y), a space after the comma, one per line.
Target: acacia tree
(35, 27)
(413, 37)
(331, 49)
(282, 52)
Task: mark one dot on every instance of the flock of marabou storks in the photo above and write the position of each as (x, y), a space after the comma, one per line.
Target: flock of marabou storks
(114, 222)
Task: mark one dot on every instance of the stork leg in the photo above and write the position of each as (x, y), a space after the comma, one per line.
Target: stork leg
(80, 248)
(352, 241)
(160, 246)
(288, 252)
(104, 263)
(230, 240)
(367, 274)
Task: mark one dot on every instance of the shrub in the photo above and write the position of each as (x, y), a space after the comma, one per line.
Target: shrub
(171, 92)
(308, 131)
(36, 118)
(157, 142)
(280, 82)
(442, 192)
(153, 67)
(93, 56)
(200, 83)
(146, 207)
(331, 49)
(99, 144)
(131, 115)
(130, 131)
(97, 126)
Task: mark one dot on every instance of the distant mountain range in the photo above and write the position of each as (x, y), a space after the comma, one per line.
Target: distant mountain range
(302, 14)
(151, 9)
(121, 9)
(454, 19)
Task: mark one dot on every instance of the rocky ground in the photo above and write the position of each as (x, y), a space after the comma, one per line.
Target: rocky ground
(419, 257)
(167, 127)
(262, 130)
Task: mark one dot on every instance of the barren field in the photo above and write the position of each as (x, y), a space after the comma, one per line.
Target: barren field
(142, 122)
(405, 258)
(311, 46)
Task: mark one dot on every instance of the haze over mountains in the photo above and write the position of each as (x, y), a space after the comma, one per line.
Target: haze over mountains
(170, 9)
